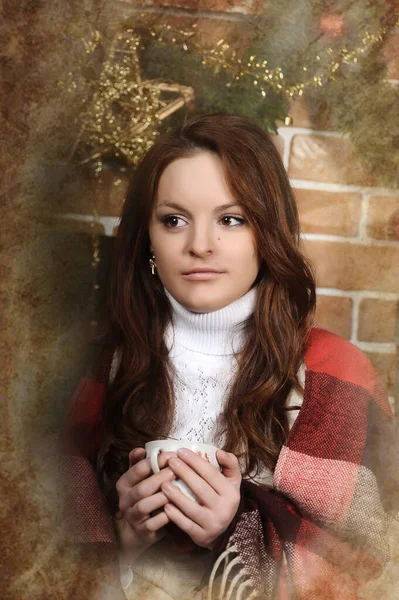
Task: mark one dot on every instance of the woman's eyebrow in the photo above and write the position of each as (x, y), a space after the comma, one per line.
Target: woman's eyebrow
(180, 207)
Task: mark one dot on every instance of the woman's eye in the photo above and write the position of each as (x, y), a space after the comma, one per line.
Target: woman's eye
(238, 219)
(170, 221)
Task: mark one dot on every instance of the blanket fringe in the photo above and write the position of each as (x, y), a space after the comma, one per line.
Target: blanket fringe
(229, 564)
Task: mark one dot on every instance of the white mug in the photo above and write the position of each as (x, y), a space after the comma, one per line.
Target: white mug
(206, 451)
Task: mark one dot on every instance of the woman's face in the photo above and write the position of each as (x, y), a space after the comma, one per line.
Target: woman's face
(197, 224)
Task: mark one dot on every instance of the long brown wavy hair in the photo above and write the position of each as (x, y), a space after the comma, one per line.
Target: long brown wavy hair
(140, 402)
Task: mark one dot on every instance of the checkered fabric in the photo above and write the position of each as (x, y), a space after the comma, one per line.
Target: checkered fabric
(321, 532)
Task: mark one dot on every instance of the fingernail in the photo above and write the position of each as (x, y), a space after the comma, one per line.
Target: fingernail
(171, 472)
(183, 451)
(166, 487)
(174, 462)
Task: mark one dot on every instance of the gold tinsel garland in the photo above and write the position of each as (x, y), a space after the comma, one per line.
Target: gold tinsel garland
(124, 115)
(256, 68)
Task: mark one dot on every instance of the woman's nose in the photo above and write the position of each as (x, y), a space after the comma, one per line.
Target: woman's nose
(201, 241)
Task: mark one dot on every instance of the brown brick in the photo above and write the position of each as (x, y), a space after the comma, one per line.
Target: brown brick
(377, 320)
(300, 114)
(237, 34)
(391, 55)
(247, 7)
(335, 314)
(308, 114)
(328, 212)
(386, 367)
(383, 218)
(319, 158)
(279, 143)
(353, 266)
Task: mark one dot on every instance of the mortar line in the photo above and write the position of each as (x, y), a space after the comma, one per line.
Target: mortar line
(360, 241)
(325, 186)
(287, 136)
(378, 347)
(355, 319)
(361, 294)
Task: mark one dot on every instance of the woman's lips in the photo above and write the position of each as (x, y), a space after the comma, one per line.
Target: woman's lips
(205, 275)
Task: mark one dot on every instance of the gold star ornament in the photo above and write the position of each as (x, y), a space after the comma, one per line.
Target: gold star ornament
(125, 113)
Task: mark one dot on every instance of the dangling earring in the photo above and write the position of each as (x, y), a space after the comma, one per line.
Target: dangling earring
(152, 264)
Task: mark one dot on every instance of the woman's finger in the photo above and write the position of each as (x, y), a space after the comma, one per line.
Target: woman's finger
(153, 524)
(147, 487)
(184, 523)
(230, 465)
(135, 455)
(163, 459)
(197, 484)
(144, 507)
(191, 509)
(141, 469)
(137, 483)
(209, 473)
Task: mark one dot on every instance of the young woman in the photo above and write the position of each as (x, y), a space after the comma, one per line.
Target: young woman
(212, 340)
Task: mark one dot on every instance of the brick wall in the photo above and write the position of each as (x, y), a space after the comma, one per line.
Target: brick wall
(350, 224)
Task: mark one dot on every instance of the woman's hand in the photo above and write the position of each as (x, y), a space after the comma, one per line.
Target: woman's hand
(218, 493)
(140, 520)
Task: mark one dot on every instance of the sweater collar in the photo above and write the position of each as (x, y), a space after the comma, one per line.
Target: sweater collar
(219, 332)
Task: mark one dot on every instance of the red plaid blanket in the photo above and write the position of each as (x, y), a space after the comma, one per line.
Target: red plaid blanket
(322, 531)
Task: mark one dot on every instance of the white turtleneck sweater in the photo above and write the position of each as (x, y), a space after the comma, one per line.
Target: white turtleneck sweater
(201, 351)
